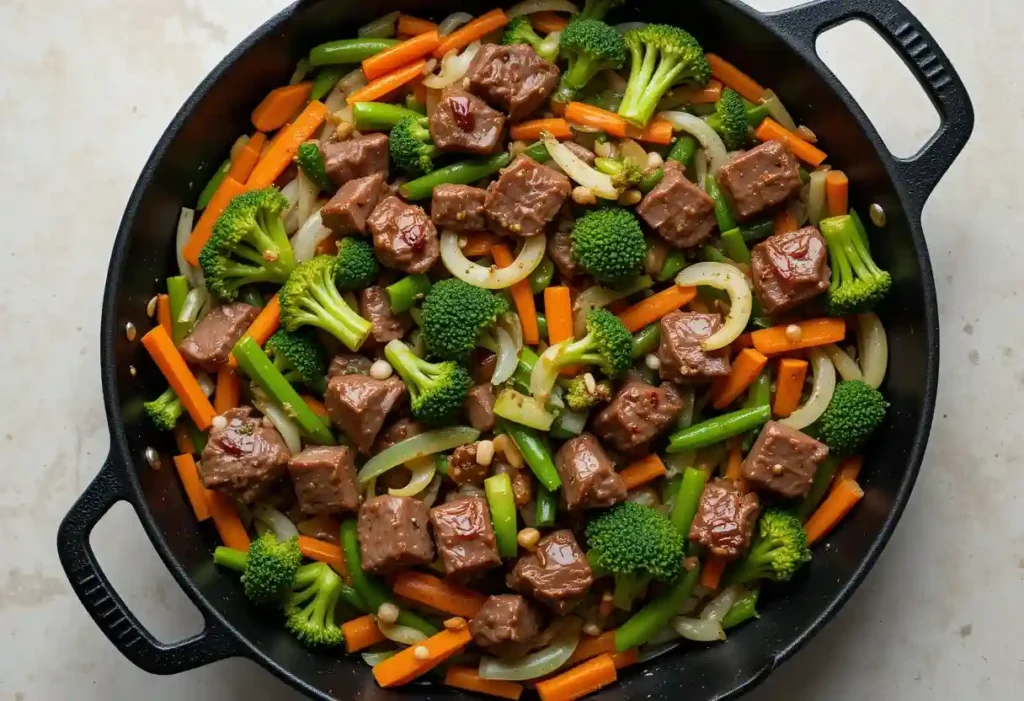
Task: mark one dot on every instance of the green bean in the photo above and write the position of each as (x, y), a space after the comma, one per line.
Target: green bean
(521, 377)
(712, 255)
(736, 246)
(541, 276)
(177, 290)
(534, 452)
(404, 293)
(502, 504)
(441, 463)
(649, 620)
(198, 437)
(742, 610)
(752, 233)
(719, 428)
(379, 116)
(542, 326)
(461, 173)
(675, 261)
(547, 506)
(760, 393)
(326, 78)
(691, 486)
(651, 180)
(805, 177)
(723, 212)
(214, 182)
(413, 104)
(348, 51)
(538, 152)
(646, 340)
(683, 150)
(669, 491)
(822, 480)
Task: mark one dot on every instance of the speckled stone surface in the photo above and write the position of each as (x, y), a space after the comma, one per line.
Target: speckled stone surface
(86, 88)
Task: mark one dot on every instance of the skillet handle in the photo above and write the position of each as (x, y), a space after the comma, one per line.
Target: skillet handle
(107, 609)
(915, 46)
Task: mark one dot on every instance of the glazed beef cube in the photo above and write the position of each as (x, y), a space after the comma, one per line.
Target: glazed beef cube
(636, 415)
(512, 78)
(589, 480)
(210, 343)
(783, 460)
(348, 364)
(555, 574)
(393, 534)
(325, 480)
(356, 158)
(560, 252)
(506, 626)
(463, 122)
(725, 519)
(358, 404)
(682, 359)
(463, 467)
(526, 196)
(522, 483)
(244, 459)
(679, 211)
(764, 176)
(404, 238)
(459, 208)
(482, 366)
(464, 536)
(480, 407)
(346, 212)
(375, 306)
(789, 269)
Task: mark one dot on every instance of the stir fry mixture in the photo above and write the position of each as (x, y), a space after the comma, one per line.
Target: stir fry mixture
(504, 352)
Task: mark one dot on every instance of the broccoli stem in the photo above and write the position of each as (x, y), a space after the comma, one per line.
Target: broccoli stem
(683, 150)
(177, 291)
(212, 184)
(861, 231)
(348, 51)
(649, 620)
(675, 261)
(719, 428)
(502, 503)
(380, 116)
(822, 480)
(325, 80)
(691, 486)
(742, 610)
(646, 340)
(736, 246)
(547, 506)
(229, 557)
(723, 212)
(669, 491)
(404, 293)
(534, 452)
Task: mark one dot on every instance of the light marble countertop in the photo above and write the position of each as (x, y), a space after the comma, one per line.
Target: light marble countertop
(938, 618)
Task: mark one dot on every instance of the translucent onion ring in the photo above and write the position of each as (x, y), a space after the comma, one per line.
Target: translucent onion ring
(415, 447)
(722, 276)
(491, 278)
(873, 348)
(708, 137)
(844, 364)
(597, 182)
(538, 664)
(183, 234)
(507, 357)
(422, 470)
(528, 7)
(821, 393)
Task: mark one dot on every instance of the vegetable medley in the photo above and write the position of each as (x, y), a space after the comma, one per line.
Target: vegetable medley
(522, 334)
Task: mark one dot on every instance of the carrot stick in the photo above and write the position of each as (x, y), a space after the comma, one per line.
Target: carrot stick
(579, 681)
(625, 659)
(386, 83)
(183, 439)
(745, 369)
(785, 221)
(592, 647)
(225, 518)
(531, 130)
(711, 573)
(547, 22)
(160, 346)
(742, 341)
(657, 131)
(849, 468)
(195, 490)
(522, 295)
(699, 94)
(322, 551)
(733, 77)
(163, 312)
(643, 471)
(467, 34)
(438, 594)
(813, 332)
(227, 191)
(280, 105)
(788, 386)
(407, 664)
(467, 678)
(558, 307)
(361, 633)
(734, 463)
(281, 152)
(229, 389)
(837, 193)
(400, 55)
(844, 495)
(651, 309)
(413, 26)
(262, 327)
(316, 405)
(770, 130)
(590, 116)
(247, 158)
(479, 244)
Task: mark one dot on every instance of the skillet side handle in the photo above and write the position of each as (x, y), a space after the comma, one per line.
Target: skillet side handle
(927, 62)
(107, 609)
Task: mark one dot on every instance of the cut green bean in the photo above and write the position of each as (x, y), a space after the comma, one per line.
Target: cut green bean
(379, 116)
(404, 294)
(441, 463)
(723, 212)
(198, 437)
(542, 326)
(736, 246)
(646, 340)
(651, 180)
(325, 80)
(742, 610)
(674, 263)
(649, 620)
(521, 377)
(760, 393)
(822, 480)
(547, 506)
(683, 150)
(502, 503)
(534, 452)
(461, 173)
(719, 428)
(214, 182)
(177, 291)
(757, 231)
(541, 276)
(669, 492)
(691, 486)
(348, 51)
(413, 104)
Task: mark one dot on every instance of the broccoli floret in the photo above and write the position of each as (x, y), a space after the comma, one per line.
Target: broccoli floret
(778, 551)
(357, 264)
(249, 244)
(410, 146)
(662, 56)
(580, 398)
(855, 411)
(731, 120)
(590, 46)
(311, 162)
(310, 297)
(598, 9)
(267, 569)
(165, 410)
(458, 316)
(609, 244)
(436, 390)
(311, 604)
(625, 173)
(520, 31)
(608, 345)
(299, 357)
(858, 284)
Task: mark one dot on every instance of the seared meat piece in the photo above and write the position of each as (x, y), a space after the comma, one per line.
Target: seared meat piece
(358, 404)
(783, 460)
(210, 343)
(525, 197)
(346, 212)
(482, 365)
(463, 122)
(387, 326)
(356, 158)
(679, 211)
(560, 253)
(725, 519)
(506, 626)
(325, 480)
(789, 269)
(245, 458)
(555, 574)
(522, 483)
(581, 152)
(464, 536)
(480, 407)
(459, 208)
(393, 534)
(404, 238)
(348, 364)
(682, 359)
(636, 415)
(764, 176)
(463, 467)
(512, 78)
(589, 480)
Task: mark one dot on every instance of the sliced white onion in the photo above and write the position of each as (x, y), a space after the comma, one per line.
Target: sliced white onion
(645, 496)
(491, 278)
(348, 84)
(872, 348)
(309, 236)
(423, 470)
(380, 28)
(182, 235)
(719, 606)
(453, 67)
(429, 495)
(403, 635)
(633, 152)
(511, 323)
(291, 193)
(452, 22)
(599, 183)
(538, 664)
(306, 196)
(545, 372)
(194, 300)
(698, 630)
(722, 276)
(508, 357)
(573, 421)
(206, 383)
(375, 658)
(821, 392)
(415, 447)
(816, 209)
(700, 169)
(845, 365)
(628, 26)
(280, 524)
(778, 111)
(528, 7)
(699, 129)
(288, 429)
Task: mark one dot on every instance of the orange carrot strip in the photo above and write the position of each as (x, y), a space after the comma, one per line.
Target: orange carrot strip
(522, 295)
(183, 439)
(227, 191)
(247, 158)
(547, 22)
(579, 681)
(195, 490)
(414, 26)
(844, 495)
(558, 309)
(590, 116)
(386, 83)
(322, 551)
(281, 152)
(770, 130)
(734, 464)
(657, 131)
(699, 94)
(262, 327)
(592, 647)
(742, 341)
(467, 678)
(280, 105)
(479, 244)
(225, 518)
(788, 386)
(711, 573)
(160, 346)
(467, 34)
(785, 221)
(651, 309)
(328, 247)
(813, 332)
(531, 130)
(733, 77)
(400, 55)
(625, 659)
(316, 405)
(643, 471)
(837, 193)
(849, 468)
(745, 369)
(361, 633)
(438, 594)
(229, 389)
(405, 666)
(163, 312)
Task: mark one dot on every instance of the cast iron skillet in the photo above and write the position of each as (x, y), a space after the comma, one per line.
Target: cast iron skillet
(778, 49)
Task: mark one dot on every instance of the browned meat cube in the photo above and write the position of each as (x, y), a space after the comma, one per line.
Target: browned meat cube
(512, 78)
(522, 483)
(243, 459)
(463, 467)
(348, 364)
(589, 480)
(459, 208)
(679, 211)
(506, 626)
(404, 238)
(375, 306)
(555, 574)
(480, 406)
(358, 404)
(525, 197)
(210, 343)
(581, 152)
(346, 212)
(789, 269)
(356, 158)
(560, 253)
(482, 365)
(682, 359)
(636, 415)
(463, 122)
(764, 176)
(325, 480)
(393, 534)
(725, 519)
(464, 536)
(783, 460)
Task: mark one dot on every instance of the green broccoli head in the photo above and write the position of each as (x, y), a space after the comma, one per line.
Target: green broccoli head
(608, 345)
(270, 567)
(632, 539)
(731, 120)
(165, 410)
(857, 284)
(310, 607)
(311, 162)
(357, 264)
(598, 9)
(662, 56)
(437, 391)
(590, 46)
(855, 411)
(411, 148)
(248, 245)
(779, 550)
(609, 244)
(310, 297)
(520, 31)
(457, 316)
(580, 398)
(299, 357)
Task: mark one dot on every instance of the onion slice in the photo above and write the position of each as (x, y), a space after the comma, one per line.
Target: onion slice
(183, 234)
(698, 630)
(453, 67)
(380, 28)
(514, 327)
(873, 348)
(538, 664)
(288, 429)
(528, 7)
(375, 658)
(821, 393)
(403, 635)
(719, 606)
(416, 447)
(722, 276)
(307, 193)
(194, 300)
(629, 26)
(597, 182)
(508, 357)
(308, 237)
(844, 364)
(452, 22)
(491, 278)
(545, 372)
(778, 111)
(816, 206)
(423, 470)
(699, 129)
(277, 522)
